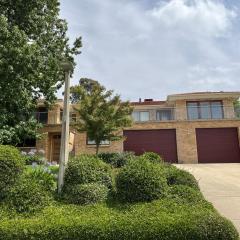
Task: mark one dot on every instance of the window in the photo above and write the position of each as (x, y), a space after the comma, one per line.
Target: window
(141, 116)
(205, 110)
(92, 142)
(42, 115)
(165, 114)
(73, 117)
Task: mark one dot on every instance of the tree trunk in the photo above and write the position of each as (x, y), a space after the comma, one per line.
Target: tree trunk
(97, 149)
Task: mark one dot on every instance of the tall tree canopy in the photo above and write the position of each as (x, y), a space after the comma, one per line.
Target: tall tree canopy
(102, 115)
(33, 43)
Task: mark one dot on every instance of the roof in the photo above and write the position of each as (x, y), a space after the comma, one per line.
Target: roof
(204, 95)
(148, 103)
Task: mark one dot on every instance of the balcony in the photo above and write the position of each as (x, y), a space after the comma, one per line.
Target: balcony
(190, 113)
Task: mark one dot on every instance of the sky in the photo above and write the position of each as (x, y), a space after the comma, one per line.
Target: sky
(153, 48)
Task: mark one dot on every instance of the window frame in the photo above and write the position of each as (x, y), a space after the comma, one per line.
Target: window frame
(94, 144)
(165, 109)
(210, 108)
(139, 116)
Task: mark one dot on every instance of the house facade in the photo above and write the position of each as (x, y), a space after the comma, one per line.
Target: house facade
(199, 127)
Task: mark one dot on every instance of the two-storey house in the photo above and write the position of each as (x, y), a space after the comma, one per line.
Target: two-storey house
(199, 127)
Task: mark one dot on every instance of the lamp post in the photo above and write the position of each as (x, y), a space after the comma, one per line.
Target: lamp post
(64, 152)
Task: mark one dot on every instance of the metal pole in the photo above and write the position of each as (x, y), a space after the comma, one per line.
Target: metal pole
(64, 153)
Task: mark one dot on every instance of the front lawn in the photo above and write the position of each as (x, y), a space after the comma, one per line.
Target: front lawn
(142, 199)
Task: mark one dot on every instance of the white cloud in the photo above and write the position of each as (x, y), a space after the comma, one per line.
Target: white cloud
(142, 52)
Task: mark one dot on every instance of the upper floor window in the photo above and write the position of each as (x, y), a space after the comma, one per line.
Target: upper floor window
(165, 114)
(42, 115)
(205, 110)
(92, 142)
(141, 116)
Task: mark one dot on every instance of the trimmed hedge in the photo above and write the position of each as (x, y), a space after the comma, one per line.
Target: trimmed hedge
(117, 160)
(87, 169)
(152, 157)
(176, 176)
(27, 196)
(11, 166)
(90, 193)
(160, 220)
(140, 180)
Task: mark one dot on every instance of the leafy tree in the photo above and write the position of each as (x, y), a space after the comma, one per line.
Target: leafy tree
(33, 42)
(102, 115)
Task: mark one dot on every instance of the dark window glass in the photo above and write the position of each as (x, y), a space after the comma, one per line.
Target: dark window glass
(42, 115)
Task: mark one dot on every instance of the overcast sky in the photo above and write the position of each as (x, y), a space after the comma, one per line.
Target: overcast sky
(152, 48)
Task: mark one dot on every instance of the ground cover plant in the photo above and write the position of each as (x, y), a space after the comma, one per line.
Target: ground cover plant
(145, 199)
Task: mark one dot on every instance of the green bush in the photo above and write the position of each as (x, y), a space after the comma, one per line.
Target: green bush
(11, 166)
(117, 160)
(153, 157)
(90, 193)
(160, 220)
(185, 194)
(177, 176)
(42, 175)
(140, 180)
(87, 169)
(27, 196)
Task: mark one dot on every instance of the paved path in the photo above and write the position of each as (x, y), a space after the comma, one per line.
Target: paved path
(220, 184)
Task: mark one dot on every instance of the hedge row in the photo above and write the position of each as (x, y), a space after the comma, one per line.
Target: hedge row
(160, 220)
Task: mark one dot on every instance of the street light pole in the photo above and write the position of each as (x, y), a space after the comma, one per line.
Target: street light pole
(64, 152)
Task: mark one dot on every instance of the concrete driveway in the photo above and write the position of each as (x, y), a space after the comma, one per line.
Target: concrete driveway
(220, 184)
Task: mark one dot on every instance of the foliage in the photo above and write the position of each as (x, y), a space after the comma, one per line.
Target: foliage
(27, 196)
(161, 220)
(33, 42)
(102, 114)
(34, 157)
(43, 176)
(11, 166)
(140, 180)
(87, 169)
(186, 194)
(153, 157)
(89, 193)
(117, 160)
(177, 176)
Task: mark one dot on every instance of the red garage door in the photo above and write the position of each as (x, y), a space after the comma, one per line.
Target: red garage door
(161, 141)
(218, 145)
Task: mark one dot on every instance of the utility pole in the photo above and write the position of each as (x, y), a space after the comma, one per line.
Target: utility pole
(64, 152)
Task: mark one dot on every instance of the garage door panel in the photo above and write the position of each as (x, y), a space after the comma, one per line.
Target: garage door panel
(161, 141)
(218, 145)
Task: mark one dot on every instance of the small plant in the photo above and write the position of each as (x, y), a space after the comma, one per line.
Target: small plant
(87, 169)
(11, 166)
(27, 196)
(34, 157)
(153, 157)
(140, 180)
(44, 176)
(90, 193)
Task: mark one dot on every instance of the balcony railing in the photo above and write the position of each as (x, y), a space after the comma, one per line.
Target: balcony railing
(188, 113)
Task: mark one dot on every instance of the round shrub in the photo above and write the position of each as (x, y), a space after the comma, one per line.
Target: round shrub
(11, 166)
(177, 176)
(117, 160)
(89, 193)
(153, 157)
(186, 194)
(140, 180)
(27, 196)
(87, 169)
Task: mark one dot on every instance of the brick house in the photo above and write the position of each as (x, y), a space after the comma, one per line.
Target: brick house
(199, 127)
